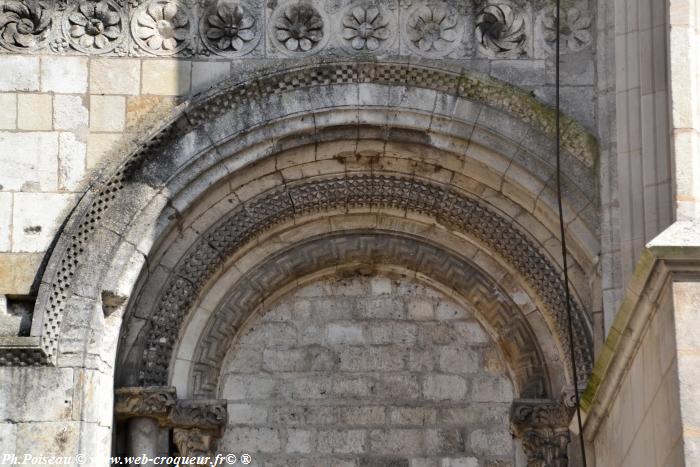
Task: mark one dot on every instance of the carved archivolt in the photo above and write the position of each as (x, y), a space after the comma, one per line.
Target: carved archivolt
(371, 250)
(233, 28)
(442, 202)
(79, 261)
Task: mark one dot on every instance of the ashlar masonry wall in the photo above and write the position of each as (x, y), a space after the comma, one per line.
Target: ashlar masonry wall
(363, 372)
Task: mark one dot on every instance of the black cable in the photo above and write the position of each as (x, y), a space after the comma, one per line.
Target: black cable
(572, 348)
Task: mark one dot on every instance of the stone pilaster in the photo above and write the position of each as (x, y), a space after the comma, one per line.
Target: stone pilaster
(543, 428)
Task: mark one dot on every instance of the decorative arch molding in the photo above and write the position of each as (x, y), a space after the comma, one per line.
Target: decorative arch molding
(367, 252)
(441, 202)
(221, 124)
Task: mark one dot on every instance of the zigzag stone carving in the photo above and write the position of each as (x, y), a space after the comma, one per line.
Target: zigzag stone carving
(444, 203)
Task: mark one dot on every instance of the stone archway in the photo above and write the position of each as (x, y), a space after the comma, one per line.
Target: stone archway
(457, 162)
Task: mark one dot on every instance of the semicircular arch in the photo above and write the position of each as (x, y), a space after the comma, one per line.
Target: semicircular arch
(98, 252)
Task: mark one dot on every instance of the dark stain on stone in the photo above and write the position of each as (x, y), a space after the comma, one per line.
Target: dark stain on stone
(32, 230)
(382, 462)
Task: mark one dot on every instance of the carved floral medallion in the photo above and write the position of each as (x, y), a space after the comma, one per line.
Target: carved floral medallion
(433, 30)
(230, 29)
(500, 31)
(24, 25)
(575, 29)
(162, 27)
(298, 28)
(95, 26)
(365, 28)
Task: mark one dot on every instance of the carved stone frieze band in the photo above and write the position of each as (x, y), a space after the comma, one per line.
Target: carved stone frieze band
(234, 28)
(543, 428)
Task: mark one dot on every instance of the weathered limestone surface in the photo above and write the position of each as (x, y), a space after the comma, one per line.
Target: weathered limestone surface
(641, 403)
(343, 370)
(73, 101)
(48, 71)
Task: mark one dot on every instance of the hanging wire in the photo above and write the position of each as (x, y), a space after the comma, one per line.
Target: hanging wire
(572, 348)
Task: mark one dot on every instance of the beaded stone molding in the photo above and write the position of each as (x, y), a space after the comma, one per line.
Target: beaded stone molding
(237, 28)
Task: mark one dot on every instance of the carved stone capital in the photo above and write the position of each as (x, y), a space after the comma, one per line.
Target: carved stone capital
(193, 442)
(204, 414)
(152, 402)
(197, 423)
(546, 448)
(543, 428)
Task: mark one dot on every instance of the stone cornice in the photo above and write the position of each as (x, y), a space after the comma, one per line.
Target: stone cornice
(675, 252)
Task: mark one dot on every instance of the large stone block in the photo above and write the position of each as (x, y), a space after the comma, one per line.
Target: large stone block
(5, 221)
(362, 415)
(421, 310)
(444, 387)
(8, 111)
(244, 387)
(107, 113)
(19, 73)
(253, 440)
(69, 113)
(34, 112)
(342, 441)
(299, 441)
(18, 272)
(8, 438)
(48, 438)
(417, 416)
(72, 153)
(458, 359)
(33, 231)
(99, 145)
(346, 333)
(29, 161)
(36, 394)
(460, 462)
(165, 77)
(247, 414)
(207, 74)
(115, 76)
(404, 441)
(64, 74)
